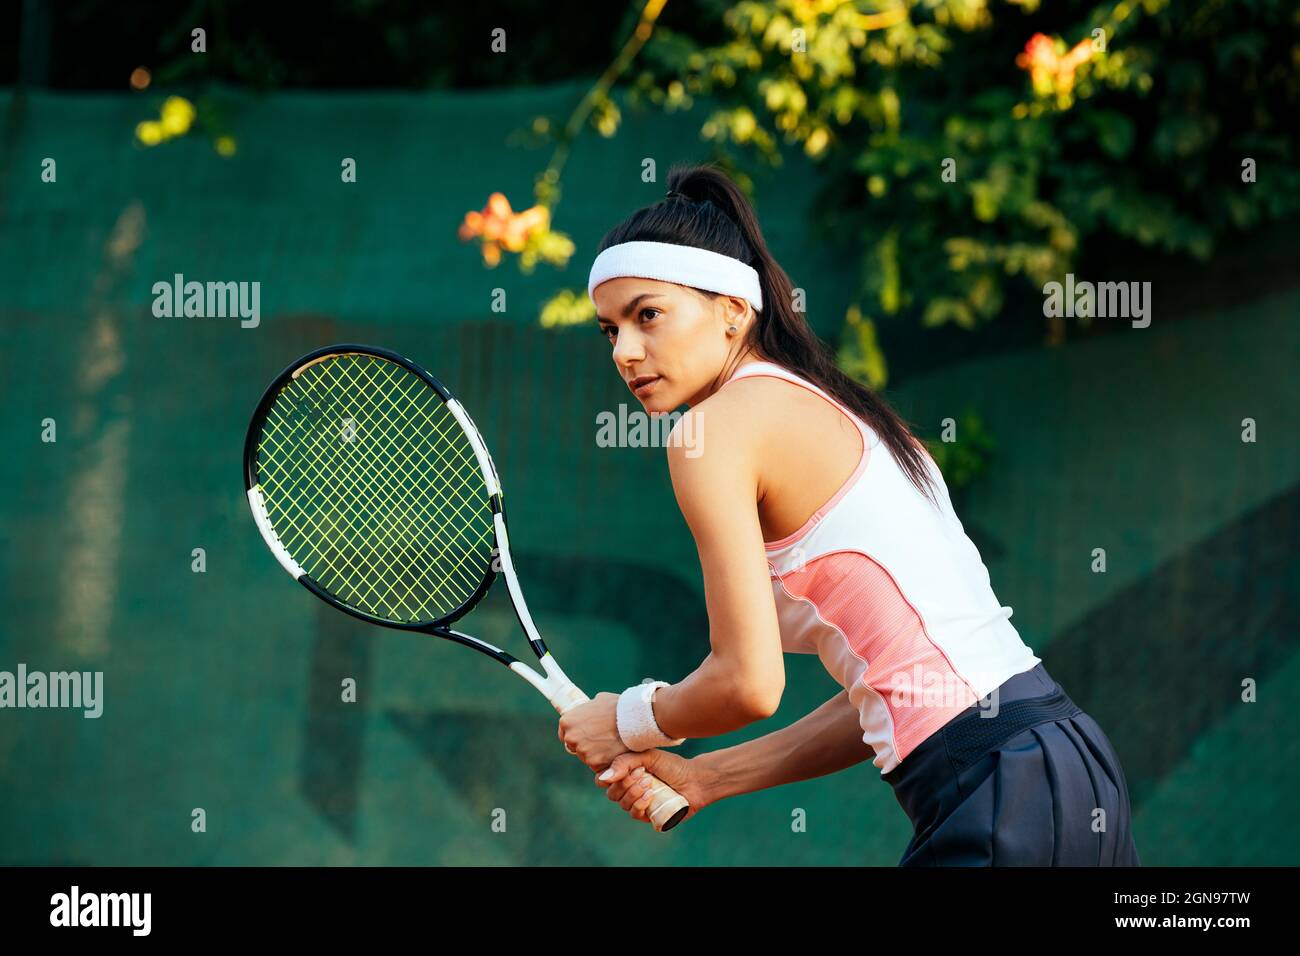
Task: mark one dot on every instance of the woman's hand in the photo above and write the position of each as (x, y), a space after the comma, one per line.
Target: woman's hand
(590, 731)
(627, 786)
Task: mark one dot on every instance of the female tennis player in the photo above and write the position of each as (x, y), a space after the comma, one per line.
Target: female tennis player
(824, 527)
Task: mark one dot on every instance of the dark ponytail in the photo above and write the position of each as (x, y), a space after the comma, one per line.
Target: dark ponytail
(706, 209)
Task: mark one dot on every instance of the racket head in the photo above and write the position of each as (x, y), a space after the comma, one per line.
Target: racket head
(366, 484)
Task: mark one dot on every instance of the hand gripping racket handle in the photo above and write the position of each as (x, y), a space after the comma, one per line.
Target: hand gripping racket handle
(667, 806)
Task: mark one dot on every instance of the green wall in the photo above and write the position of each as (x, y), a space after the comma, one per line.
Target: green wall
(222, 688)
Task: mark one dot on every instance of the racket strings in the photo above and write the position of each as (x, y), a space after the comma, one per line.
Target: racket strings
(395, 511)
(388, 493)
(387, 488)
(374, 489)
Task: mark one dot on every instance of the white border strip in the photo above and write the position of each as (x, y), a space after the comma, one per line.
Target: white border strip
(258, 504)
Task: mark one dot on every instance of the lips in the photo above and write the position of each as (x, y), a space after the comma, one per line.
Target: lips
(642, 384)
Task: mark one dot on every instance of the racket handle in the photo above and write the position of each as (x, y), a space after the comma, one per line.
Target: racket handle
(667, 806)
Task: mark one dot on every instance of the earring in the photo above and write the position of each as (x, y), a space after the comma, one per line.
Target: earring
(731, 329)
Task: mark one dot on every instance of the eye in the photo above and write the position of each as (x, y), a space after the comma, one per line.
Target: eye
(648, 309)
(609, 331)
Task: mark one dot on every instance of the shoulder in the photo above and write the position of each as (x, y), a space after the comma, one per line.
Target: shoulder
(728, 427)
(752, 413)
(719, 451)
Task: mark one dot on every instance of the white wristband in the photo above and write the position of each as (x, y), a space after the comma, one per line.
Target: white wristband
(637, 727)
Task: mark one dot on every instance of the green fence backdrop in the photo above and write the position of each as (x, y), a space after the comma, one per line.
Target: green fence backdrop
(222, 688)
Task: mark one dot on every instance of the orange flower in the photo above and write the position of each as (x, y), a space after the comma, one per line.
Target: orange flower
(472, 226)
(1040, 53)
(1049, 71)
(1078, 56)
(500, 227)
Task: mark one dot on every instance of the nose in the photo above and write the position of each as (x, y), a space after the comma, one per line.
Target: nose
(628, 347)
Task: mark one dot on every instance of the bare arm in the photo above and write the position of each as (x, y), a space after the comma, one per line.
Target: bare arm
(743, 676)
(824, 741)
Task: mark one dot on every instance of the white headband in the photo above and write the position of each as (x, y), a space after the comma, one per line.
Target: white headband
(684, 265)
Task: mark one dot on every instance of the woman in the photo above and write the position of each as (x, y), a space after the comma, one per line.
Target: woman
(824, 527)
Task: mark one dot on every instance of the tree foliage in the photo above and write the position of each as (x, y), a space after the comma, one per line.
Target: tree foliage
(969, 146)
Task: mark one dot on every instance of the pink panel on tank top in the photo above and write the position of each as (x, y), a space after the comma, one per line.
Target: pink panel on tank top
(861, 600)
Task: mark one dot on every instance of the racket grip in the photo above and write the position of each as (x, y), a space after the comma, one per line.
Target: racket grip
(667, 806)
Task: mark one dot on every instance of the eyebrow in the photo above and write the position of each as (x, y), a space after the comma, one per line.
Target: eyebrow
(627, 309)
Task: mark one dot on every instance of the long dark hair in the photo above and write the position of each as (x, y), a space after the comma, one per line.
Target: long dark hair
(706, 209)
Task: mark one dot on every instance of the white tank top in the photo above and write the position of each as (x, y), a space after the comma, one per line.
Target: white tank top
(892, 595)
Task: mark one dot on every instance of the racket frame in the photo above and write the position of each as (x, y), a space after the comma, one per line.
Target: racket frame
(553, 683)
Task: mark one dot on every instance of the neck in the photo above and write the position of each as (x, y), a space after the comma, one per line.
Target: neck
(728, 372)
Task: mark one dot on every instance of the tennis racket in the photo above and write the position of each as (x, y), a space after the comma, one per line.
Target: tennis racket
(373, 488)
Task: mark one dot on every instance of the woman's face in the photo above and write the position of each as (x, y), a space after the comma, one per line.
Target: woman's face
(669, 339)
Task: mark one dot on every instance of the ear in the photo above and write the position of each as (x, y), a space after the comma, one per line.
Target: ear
(734, 311)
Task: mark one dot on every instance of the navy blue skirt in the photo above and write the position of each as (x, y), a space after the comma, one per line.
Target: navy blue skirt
(1037, 785)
